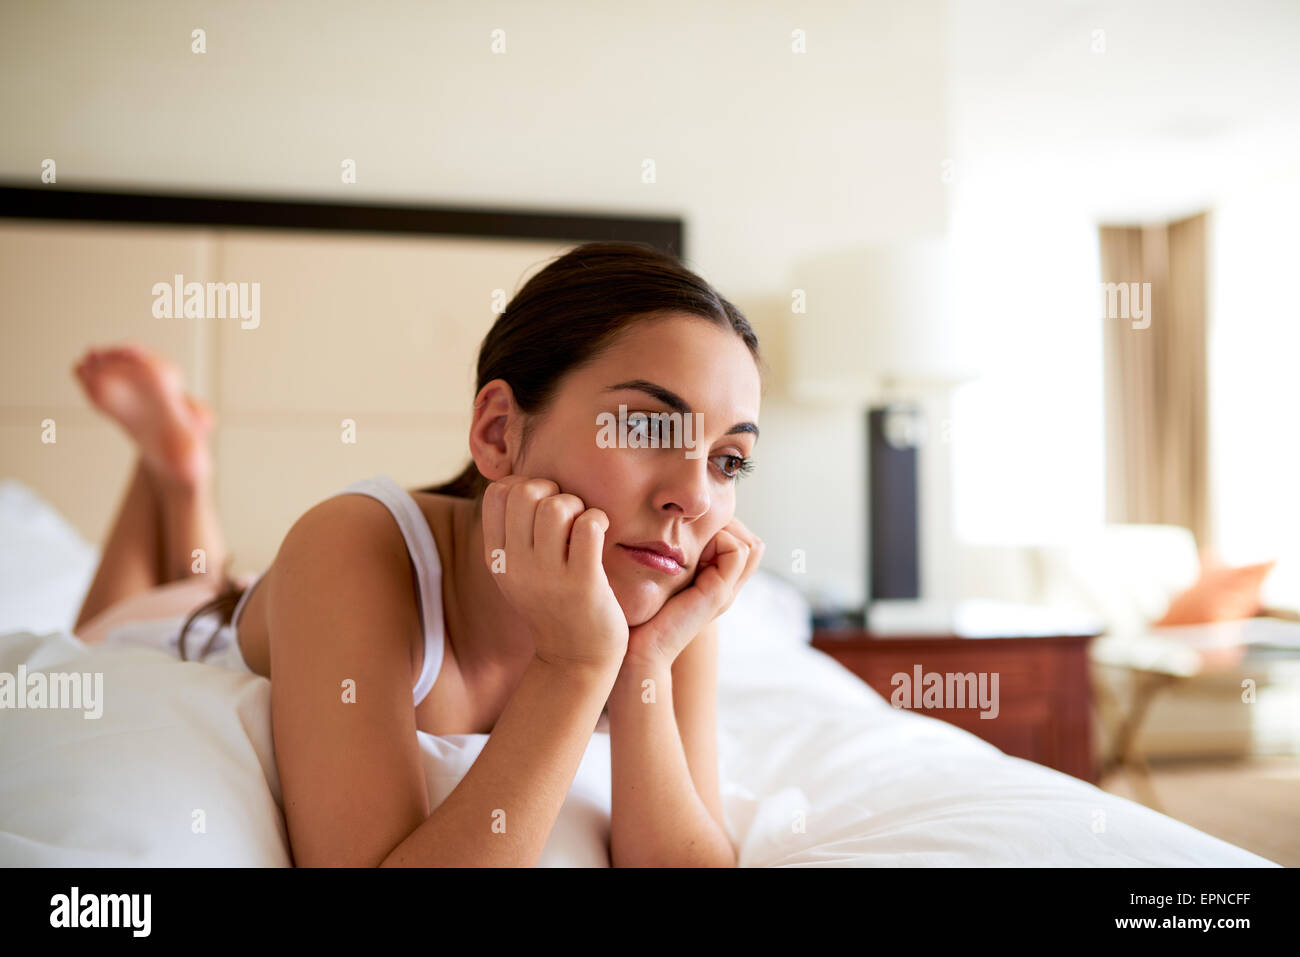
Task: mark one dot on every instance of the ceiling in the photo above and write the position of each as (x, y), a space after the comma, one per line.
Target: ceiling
(1169, 107)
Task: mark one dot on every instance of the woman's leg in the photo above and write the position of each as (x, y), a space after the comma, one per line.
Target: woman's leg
(167, 527)
(130, 561)
(193, 544)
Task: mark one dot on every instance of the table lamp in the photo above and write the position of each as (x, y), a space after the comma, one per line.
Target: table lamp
(879, 333)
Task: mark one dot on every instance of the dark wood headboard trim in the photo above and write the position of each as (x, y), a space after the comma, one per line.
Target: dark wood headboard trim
(181, 209)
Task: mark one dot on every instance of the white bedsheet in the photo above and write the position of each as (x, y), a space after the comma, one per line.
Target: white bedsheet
(818, 769)
(874, 786)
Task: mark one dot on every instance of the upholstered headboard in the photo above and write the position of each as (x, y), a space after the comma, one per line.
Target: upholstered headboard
(358, 359)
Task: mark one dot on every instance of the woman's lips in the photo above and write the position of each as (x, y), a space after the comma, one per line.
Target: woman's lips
(652, 559)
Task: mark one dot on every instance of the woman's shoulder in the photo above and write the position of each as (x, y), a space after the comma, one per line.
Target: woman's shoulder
(339, 514)
(341, 531)
(347, 555)
(344, 530)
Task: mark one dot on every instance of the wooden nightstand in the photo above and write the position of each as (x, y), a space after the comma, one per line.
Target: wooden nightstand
(1044, 690)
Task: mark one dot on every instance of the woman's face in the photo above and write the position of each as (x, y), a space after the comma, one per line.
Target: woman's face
(681, 493)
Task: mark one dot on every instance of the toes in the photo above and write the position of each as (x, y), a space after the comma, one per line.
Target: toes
(156, 363)
(110, 358)
(136, 363)
(148, 372)
(83, 369)
(138, 353)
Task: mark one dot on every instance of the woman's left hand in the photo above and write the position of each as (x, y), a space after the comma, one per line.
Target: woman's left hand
(726, 563)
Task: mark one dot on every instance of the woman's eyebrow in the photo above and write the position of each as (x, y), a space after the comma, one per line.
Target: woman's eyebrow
(676, 402)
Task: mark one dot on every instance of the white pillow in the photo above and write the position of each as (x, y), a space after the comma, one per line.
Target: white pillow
(580, 837)
(175, 738)
(176, 770)
(768, 607)
(45, 564)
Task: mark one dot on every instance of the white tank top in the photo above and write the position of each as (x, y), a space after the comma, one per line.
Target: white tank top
(428, 572)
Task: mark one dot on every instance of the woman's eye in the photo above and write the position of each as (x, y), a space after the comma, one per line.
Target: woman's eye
(736, 466)
(639, 422)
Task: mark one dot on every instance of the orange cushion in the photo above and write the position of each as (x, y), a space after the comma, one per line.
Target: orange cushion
(1221, 593)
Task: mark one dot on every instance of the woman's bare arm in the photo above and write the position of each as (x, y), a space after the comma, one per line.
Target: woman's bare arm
(663, 811)
(342, 614)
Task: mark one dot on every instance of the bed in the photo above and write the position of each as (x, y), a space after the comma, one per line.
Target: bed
(818, 770)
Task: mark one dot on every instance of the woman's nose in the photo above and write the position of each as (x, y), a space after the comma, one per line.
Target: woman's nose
(687, 489)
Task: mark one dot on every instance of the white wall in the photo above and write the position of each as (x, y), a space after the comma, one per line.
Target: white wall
(1070, 115)
(768, 155)
(1254, 369)
(1027, 439)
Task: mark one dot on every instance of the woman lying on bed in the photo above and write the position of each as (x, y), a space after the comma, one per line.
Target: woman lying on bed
(549, 613)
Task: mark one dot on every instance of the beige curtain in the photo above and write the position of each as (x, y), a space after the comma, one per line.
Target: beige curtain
(1155, 355)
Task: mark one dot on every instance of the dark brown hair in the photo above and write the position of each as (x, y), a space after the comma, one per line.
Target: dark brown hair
(569, 313)
(228, 594)
(565, 317)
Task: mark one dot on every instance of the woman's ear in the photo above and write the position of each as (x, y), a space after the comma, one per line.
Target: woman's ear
(495, 430)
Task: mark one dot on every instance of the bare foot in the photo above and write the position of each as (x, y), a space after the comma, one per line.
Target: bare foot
(144, 393)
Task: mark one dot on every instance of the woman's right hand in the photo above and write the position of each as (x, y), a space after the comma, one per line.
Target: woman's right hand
(550, 569)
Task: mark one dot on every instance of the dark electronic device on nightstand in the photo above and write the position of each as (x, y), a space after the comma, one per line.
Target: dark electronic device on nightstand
(892, 504)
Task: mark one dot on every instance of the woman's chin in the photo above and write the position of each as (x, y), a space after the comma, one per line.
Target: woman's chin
(640, 601)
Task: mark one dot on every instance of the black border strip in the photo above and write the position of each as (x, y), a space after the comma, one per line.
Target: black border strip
(182, 209)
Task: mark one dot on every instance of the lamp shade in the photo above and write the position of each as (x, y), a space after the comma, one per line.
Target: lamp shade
(875, 317)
